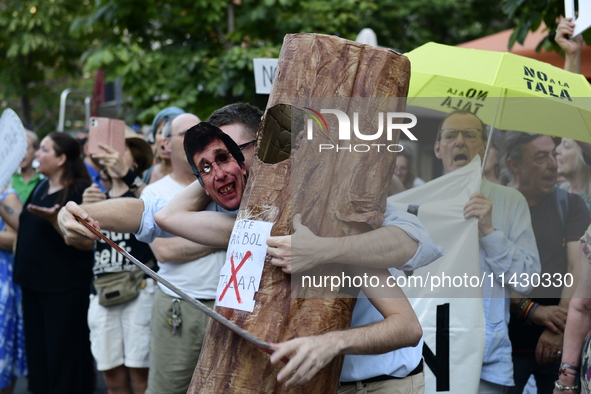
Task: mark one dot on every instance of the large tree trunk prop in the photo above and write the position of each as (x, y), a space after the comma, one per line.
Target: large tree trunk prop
(332, 190)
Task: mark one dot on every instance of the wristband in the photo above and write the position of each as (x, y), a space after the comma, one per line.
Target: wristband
(571, 367)
(560, 387)
(562, 371)
(530, 313)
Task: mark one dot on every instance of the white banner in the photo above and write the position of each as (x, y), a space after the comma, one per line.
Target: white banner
(583, 19)
(13, 145)
(448, 306)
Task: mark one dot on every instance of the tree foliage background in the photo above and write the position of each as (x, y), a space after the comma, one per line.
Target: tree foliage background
(528, 15)
(197, 54)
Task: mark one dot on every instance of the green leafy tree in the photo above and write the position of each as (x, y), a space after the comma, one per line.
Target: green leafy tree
(198, 55)
(528, 15)
(405, 25)
(39, 57)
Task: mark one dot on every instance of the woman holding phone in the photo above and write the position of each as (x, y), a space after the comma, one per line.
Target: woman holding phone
(120, 333)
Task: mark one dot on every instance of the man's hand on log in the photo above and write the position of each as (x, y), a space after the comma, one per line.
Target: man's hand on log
(74, 232)
(308, 355)
(301, 256)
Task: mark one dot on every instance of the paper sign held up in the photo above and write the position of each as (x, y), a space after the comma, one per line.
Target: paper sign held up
(583, 20)
(13, 145)
(241, 275)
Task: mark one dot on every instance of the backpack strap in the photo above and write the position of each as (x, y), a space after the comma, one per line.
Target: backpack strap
(561, 200)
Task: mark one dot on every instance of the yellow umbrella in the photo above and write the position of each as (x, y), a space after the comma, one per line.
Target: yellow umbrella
(505, 90)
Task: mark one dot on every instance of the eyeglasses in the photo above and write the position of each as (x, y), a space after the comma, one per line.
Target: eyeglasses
(222, 159)
(246, 144)
(470, 135)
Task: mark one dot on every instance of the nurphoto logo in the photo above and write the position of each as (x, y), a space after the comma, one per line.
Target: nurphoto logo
(387, 122)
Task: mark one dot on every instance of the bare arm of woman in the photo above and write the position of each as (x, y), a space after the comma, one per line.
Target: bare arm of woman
(10, 209)
(8, 236)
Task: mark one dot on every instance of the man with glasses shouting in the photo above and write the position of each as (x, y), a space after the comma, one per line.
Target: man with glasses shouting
(506, 240)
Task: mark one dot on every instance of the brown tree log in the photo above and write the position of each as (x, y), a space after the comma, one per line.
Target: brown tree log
(334, 192)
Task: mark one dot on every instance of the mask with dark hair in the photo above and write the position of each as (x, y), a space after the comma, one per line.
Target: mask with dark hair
(199, 136)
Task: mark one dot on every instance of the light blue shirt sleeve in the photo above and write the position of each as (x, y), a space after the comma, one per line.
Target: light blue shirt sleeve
(510, 250)
(149, 230)
(427, 251)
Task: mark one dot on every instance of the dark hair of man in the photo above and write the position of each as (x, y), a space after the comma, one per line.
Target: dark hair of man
(242, 113)
(513, 148)
(142, 162)
(200, 136)
(463, 112)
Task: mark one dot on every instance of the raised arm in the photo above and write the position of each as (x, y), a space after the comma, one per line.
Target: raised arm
(571, 47)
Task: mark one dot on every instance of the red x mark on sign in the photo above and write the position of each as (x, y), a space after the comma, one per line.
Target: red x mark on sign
(233, 277)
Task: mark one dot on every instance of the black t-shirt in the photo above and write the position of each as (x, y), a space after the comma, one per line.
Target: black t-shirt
(107, 259)
(43, 262)
(551, 239)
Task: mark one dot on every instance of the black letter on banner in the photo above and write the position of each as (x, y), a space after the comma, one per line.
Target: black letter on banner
(268, 75)
(439, 364)
(413, 209)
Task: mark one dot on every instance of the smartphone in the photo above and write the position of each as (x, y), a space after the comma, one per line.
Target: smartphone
(108, 132)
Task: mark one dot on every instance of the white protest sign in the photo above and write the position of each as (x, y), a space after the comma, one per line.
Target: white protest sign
(240, 276)
(13, 145)
(264, 73)
(583, 20)
(452, 318)
(569, 9)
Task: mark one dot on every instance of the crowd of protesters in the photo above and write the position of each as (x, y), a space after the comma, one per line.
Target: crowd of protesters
(532, 210)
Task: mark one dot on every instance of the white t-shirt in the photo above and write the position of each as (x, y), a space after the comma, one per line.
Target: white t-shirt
(198, 278)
